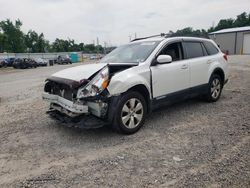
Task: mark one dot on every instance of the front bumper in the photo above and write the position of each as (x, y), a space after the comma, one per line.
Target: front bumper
(65, 106)
(97, 108)
(75, 115)
(82, 122)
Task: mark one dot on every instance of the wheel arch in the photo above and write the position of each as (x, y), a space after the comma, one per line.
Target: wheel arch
(219, 72)
(140, 88)
(143, 90)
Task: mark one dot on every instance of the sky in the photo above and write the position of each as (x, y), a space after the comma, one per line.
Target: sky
(115, 21)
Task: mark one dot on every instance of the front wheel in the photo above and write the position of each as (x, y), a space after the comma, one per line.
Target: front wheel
(215, 88)
(130, 113)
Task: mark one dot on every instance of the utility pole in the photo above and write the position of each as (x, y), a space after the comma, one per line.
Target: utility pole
(129, 38)
(105, 46)
(97, 41)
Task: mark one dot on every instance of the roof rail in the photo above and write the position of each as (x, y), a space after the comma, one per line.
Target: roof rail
(160, 35)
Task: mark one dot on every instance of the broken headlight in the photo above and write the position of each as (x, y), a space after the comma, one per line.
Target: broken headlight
(96, 85)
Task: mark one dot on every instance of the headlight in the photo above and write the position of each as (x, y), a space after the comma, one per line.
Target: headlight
(96, 85)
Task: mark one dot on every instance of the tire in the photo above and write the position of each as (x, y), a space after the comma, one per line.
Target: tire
(130, 113)
(214, 88)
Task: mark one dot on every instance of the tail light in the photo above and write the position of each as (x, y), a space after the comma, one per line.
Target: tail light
(225, 56)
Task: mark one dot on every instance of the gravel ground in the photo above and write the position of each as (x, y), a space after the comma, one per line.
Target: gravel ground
(190, 144)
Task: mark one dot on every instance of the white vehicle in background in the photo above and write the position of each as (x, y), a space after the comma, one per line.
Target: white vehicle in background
(134, 79)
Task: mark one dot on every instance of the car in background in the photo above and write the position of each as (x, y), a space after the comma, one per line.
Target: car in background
(10, 61)
(3, 63)
(41, 61)
(96, 57)
(92, 57)
(24, 63)
(63, 60)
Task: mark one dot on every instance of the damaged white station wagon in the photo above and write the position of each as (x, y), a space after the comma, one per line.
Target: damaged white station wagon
(134, 79)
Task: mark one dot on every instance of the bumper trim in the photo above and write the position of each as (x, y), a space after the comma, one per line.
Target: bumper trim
(67, 104)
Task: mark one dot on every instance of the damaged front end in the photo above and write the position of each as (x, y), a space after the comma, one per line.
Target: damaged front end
(84, 102)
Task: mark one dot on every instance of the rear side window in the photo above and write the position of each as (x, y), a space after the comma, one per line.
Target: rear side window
(194, 49)
(211, 49)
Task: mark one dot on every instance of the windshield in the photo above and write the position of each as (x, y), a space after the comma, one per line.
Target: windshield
(131, 53)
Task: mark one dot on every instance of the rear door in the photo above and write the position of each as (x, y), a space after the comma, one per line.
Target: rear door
(196, 57)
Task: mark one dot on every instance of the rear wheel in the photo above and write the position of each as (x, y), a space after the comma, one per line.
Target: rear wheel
(130, 113)
(215, 88)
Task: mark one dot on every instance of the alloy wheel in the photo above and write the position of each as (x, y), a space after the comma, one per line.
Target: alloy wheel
(132, 113)
(215, 88)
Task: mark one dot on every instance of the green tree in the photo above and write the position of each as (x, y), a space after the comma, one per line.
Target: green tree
(3, 42)
(31, 39)
(12, 39)
(242, 20)
(81, 46)
(41, 43)
(15, 37)
(35, 42)
(224, 24)
(188, 31)
(58, 45)
(89, 48)
(99, 49)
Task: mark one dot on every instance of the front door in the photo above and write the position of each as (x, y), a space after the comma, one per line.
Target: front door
(171, 77)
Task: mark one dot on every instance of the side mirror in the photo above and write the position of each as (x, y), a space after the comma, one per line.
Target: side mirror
(161, 59)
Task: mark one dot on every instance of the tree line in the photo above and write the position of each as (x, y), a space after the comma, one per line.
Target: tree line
(241, 20)
(12, 39)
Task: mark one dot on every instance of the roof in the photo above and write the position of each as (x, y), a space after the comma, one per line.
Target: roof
(231, 30)
(170, 38)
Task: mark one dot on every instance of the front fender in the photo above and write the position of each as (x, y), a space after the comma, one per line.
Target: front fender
(123, 81)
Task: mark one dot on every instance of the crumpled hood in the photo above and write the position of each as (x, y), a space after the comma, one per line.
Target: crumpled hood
(79, 73)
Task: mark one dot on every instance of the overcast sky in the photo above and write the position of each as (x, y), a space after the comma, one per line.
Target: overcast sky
(114, 20)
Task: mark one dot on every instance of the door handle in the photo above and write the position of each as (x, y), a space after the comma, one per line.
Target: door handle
(184, 66)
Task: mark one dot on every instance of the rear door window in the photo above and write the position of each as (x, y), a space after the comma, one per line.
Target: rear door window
(211, 49)
(194, 49)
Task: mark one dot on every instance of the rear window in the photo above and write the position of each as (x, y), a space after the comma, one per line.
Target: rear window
(211, 49)
(194, 49)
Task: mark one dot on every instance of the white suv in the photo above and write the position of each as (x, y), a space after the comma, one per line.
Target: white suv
(134, 79)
